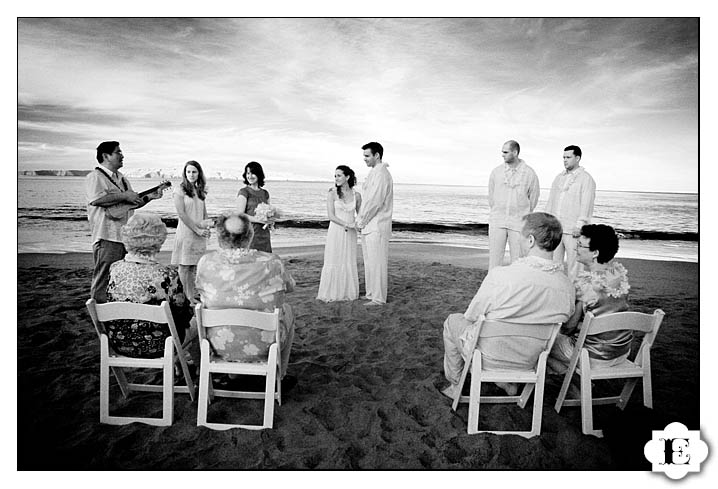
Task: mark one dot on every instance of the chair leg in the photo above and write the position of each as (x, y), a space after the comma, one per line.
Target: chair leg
(587, 397)
(104, 380)
(538, 397)
(647, 384)
(269, 386)
(279, 386)
(647, 390)
(525, 395)
(168, 377)
(567, 381)
(474, 395)
(626, 393)
(121, 381)
(204, 384)
(586, 405)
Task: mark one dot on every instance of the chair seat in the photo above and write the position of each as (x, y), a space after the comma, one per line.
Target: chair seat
(238, 367)
(519, 376)
(116, 360)
(623, 370)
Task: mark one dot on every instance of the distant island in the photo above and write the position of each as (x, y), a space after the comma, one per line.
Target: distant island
(131, 173)
(54, 173)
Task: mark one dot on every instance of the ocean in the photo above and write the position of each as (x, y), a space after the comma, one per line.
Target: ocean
(52, 216)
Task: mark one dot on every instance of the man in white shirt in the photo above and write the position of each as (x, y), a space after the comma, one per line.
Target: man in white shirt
(105, 187)
(513, 193)
(571, 200)
(532, 290)
(374, 223)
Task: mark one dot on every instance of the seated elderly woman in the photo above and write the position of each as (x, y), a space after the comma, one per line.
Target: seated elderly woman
(142, 279)
(601, 289)
(238, 277)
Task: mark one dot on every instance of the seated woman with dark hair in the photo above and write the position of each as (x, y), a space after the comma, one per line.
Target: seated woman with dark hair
(236, 276)
(142, 279)
(601, 289)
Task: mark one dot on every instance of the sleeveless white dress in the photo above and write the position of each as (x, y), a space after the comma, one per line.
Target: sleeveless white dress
(340, 280)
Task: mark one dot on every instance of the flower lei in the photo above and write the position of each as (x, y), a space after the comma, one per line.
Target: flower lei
(234, 255)
(510, 179)
(613, 281)
(571, 178)
(541, 263)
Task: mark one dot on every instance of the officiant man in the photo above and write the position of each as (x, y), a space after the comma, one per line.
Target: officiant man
(374, 223)
(105, 187)
(571, 200)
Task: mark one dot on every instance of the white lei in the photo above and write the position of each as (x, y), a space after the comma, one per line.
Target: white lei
(571, 177)
(541, 263)
(510, 174)
(234, 255)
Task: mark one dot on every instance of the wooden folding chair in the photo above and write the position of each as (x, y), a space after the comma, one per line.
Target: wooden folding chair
(631, 370)
(534, 378)
(109, 359)
(209, 364)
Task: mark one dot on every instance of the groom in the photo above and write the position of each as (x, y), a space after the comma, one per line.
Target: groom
(374, 222)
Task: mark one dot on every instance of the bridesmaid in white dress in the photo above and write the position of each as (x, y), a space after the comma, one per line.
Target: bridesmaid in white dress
(192, 226)
(340, 280)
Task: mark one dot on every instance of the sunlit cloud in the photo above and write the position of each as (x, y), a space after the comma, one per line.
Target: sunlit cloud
(303, 95)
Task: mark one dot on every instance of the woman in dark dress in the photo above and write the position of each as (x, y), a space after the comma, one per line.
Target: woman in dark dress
(249, 198)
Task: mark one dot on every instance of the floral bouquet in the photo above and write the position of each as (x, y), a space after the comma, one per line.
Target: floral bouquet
(266, 213)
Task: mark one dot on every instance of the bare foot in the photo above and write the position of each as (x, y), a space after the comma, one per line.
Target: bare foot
(511, 389)
(450, 391)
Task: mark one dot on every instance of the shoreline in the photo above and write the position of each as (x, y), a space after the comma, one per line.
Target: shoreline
(447, 254)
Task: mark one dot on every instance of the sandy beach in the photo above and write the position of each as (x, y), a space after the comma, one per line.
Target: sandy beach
(366, 392)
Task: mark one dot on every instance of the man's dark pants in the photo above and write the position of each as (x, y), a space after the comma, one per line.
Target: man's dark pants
(104, 254)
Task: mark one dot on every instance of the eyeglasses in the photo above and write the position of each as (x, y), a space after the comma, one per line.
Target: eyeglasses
(582, 245)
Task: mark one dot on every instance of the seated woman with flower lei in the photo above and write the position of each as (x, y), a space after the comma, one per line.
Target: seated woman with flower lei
(601, 289)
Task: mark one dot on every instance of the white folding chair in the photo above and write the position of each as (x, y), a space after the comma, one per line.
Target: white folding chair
(631, 370)
(209, 364)
(109, 359)
(534, 378)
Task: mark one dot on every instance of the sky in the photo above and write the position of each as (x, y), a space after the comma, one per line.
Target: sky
(302, 95)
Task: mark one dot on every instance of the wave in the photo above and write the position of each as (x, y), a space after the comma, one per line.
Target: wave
(482, 229)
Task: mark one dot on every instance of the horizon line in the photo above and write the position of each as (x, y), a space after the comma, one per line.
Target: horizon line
(20, 174)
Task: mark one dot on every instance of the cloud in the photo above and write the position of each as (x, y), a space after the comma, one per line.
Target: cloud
(305, 94)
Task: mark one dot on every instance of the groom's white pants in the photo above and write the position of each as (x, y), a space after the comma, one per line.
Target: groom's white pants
(375, 248)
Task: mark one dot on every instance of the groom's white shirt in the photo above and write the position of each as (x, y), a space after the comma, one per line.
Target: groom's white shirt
(377, 202)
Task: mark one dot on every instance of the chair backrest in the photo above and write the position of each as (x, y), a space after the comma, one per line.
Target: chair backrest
(110, 311)
(634, 321)
(208, 318)
(491, 328)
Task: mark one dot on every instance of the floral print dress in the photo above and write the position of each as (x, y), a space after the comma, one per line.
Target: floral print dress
(246, 279)
(601, 292)
(143, 281)
(605, 292)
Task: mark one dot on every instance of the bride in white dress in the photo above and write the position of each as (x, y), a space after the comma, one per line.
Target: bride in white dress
(340, 280)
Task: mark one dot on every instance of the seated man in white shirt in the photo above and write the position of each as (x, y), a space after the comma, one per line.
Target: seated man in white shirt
(533, 289)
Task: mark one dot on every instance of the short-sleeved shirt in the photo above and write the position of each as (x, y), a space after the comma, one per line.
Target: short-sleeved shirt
(98, 185)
